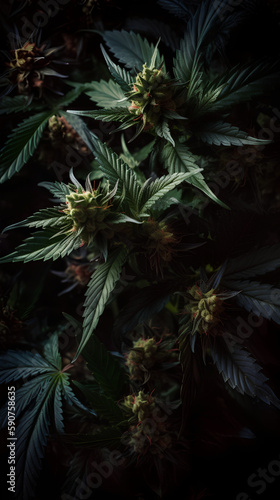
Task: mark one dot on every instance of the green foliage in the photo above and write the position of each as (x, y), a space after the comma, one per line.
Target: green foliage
(106, 94)
(22, 143)
(241, 372)
(164, 230)
(179, 159)
(38, 403)
(131, 49)
(99, 289)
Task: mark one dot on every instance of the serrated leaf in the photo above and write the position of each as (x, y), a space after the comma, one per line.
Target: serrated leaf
(152, 191)
(107, 94)
(119, 114)
(72, 399)
(24, 394)
(222, 133)
(162, 130)
(187, 64)
(51, 352)
(254, 263)
(106, 368)
(78, 125)
(243, 83)
(100, 286)
(21, 144)
(180, 159)
(57, 407)
(38, 403)
(122, 77)
(15, 365)
(260, 298)
(58, 189)
(46, 244)
(13, 104)
(131, 49)
(241, 371)
(44, 218)
(32, 435)
(115, 170)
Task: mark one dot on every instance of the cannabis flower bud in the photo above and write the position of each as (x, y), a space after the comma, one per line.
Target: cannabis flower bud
(205, 308)
(152, 91)
(149, 433)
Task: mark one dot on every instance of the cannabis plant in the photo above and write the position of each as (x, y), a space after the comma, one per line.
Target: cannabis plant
(179, 290)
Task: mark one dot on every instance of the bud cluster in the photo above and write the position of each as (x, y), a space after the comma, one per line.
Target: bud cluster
(158, 242)
(149, 431)
(152, 91)
(27, 65)
(59, 129)
(146, 355)
(88, 212)
(205, 309)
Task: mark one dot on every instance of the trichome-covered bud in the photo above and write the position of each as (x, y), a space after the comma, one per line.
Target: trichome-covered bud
(90, 212)
(205, 309)
(152, 92)
(149, 432)
(146, 355)
(29, 65)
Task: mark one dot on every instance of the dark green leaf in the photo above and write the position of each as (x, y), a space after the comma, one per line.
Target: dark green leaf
(241, 371)
(243, 83)
(187, 65)
(118, 114)
(260, 298)
(254, 263)
(15, 365)
(13, 104)
(162, 130)
(131, 49)
(152, 191)
(58, 189)
(51, 352)
(46, 244)
(21, 144)
(226, 134)
(115, 170)
(100, 286)
(180, 159)
(107, 94)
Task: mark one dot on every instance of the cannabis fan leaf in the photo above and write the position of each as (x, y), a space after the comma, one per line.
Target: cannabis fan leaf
(242, 372)
(21, 144)
(38, 404)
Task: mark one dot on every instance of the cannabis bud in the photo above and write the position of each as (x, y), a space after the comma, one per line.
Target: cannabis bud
(59, 129)
(158, 242)
(29, 65)
(89, 211)
(152, 91)
(205, 308)
(149, 433)
(146, 355)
